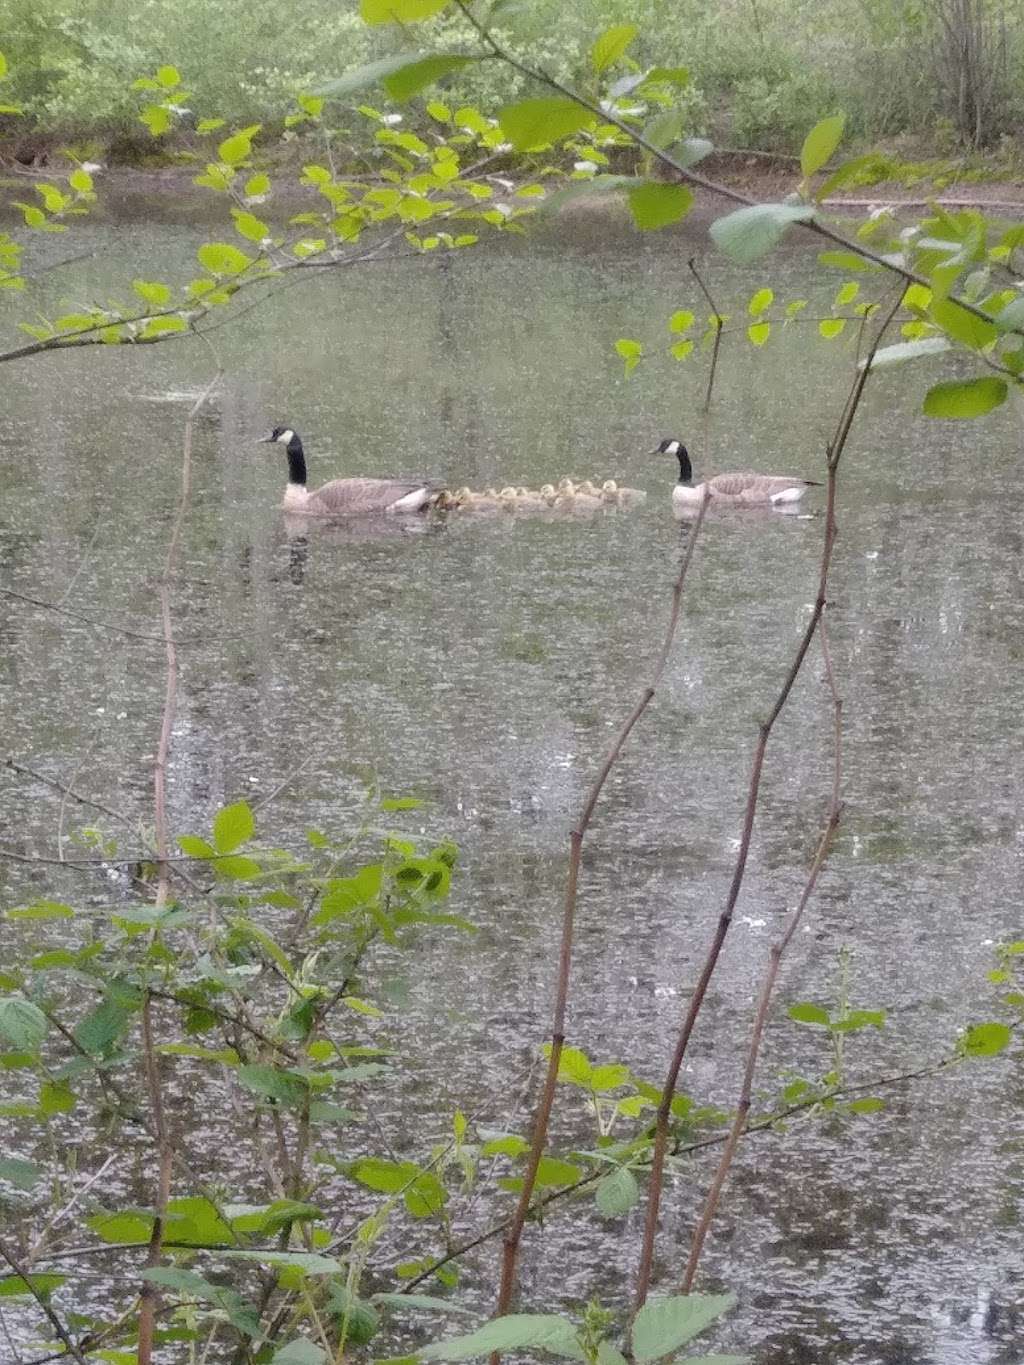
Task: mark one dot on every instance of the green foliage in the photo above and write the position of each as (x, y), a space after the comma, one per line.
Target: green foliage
(656, 205)
(663, 1325)
(965, 398)
(749, 233)
(537, 123)
(820, 143)
(611, 45)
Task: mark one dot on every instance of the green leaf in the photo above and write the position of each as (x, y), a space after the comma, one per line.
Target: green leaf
(514, 1332)
(820, 143)
(985, 1040)
(662, 1325)
(163, 326)
(664, 128)
(301, 1351)
(132, 1226)
(608, 1077)
(237, 867)
(41, 910)
(168, 77)
(831, 327)
(538, 122)
(81, 181)
(806, 1013)
(233, 151)
(426, 1197)
(961, 325)
(909, 350)
(221, 258)
(23, 1024)
(399, 11)
(195, 848)
(759, 332)
(1011, 318)
(964, 398)
(249, 226)
(233, 826)
(240, 1314)
(679, 322)
(3, 66)
(152, 292)
(573, 1063)
(274, 1084)
(553, 1172)
(616, 1193)
(631, 351)
(39, 1286)
(156, 118)
(692, 150)
(655, 204)
(750, 232)
(102, 1027)
(682, 349)
(512, 1145)
(611, 45)
(846, 260)
(846, 294)
(414, 76)
(388, 1177)
(20, 1173)
(56, 1098)
(371, 73)
(870, 1104)
(760, 301)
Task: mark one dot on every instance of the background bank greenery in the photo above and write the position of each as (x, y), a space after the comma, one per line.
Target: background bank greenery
(931, 75)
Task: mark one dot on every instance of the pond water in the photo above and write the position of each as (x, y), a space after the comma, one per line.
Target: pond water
(483, 664)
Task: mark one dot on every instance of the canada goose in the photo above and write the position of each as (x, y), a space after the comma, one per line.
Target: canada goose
(746, 489)
(345, 497)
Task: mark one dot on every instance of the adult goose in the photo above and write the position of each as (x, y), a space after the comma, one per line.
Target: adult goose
(346, 497)
(742, 489)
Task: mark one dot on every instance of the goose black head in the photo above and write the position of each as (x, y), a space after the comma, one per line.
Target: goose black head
(284, 435)
(672, 446)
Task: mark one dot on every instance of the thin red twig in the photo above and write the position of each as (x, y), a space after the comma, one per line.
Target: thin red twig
(513, 1233)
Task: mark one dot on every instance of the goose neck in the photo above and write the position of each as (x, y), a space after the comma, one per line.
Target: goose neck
(296, 462)
(685, 468)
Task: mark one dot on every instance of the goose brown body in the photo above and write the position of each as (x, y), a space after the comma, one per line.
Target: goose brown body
(346, 497)
(745, 488)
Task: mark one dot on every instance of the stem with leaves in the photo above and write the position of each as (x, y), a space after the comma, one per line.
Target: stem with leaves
(543, 1113)
(753, 792)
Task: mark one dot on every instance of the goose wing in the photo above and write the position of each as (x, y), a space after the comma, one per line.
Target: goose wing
(750, 487)
(354, 497)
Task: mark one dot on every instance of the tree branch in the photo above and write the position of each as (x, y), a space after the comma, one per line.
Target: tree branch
(543, 1113)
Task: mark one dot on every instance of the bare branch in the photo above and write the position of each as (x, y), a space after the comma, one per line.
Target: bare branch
(543, 1113)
